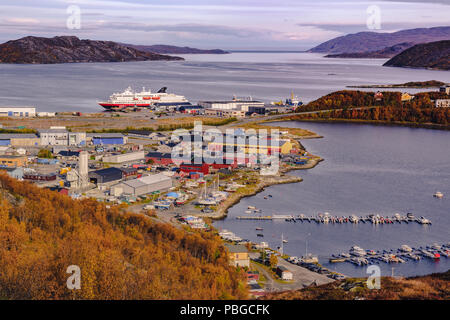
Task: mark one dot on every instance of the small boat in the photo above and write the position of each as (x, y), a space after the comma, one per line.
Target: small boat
(248, 211)
(285, 241)
(259, 235)
(259, 228)
(251, 207)
(438, 195)
(406, 248)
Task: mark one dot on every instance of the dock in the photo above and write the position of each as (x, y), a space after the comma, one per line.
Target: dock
(434, 252)
(329, 219)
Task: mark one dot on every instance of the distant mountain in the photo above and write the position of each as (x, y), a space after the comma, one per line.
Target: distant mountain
(387, 52)
(374, 41)
(166, 49)
(433, 55)
(69, 49)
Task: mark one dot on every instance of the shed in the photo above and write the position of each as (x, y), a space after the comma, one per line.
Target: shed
(105, 175)
(284, 273)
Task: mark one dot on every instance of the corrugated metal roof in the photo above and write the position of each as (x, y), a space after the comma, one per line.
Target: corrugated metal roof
(4, 136)
(146, 180)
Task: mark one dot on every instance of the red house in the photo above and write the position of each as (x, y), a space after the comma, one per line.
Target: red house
(203, 168)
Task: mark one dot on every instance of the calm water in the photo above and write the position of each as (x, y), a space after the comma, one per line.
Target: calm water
(367, 169)
(266, 76)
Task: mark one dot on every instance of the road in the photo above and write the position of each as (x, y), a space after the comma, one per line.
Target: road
(302, 277)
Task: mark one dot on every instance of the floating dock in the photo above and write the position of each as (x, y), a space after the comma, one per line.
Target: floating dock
(328, 219)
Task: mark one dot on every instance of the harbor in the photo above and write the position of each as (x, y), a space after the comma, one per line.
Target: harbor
(362, 176)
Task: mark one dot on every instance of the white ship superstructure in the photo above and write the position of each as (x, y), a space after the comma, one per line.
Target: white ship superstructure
(143, 99)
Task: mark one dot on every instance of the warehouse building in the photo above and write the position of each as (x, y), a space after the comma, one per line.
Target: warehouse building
(17, 112)
(19, 140)
(61, 137)
(235, 104)
(143, 185)
(125, 157)
(107, 139)
(16, 173)
(105, 175)
(11, 161)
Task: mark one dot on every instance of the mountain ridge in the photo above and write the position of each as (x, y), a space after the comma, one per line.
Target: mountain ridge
(374, 41)
(433, 55)
(71, 49)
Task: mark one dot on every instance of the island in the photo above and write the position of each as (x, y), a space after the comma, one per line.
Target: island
(70, 49)
(167, 49)
(411, 84)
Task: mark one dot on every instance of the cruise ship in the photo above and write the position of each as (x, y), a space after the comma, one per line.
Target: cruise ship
(144, 99)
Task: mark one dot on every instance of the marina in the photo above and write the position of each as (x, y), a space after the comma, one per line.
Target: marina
(361, 257)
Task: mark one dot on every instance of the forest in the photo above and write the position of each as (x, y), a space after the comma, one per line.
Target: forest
(120, 255)
(388, 108)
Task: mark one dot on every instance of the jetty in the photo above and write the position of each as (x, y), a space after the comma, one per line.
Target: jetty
(326, 218)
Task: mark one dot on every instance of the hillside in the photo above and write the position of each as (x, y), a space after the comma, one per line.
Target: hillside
(430, 287)
(387, 52)
(433, 55)
(374, 41)
(362, 106)
(166, 49)
(121, 255)
(69, 49)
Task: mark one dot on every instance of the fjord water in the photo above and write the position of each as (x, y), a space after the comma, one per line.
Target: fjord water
(367, 170)
(265, 76)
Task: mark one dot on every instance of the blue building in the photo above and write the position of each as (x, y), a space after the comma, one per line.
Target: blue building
(108, 139)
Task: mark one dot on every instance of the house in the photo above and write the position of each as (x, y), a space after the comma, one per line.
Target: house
(442, 103)
(378, 96)
(238, 255)
(406, 97)
(284, 273)
(144, 185)
(159, 158)
(445, 89)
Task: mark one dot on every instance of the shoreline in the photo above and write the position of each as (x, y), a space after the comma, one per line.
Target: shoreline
(266, 181)
(374, 122)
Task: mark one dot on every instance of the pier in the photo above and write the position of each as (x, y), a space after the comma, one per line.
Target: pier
(329, 219)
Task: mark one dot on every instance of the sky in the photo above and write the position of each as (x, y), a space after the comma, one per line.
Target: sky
(226, 24)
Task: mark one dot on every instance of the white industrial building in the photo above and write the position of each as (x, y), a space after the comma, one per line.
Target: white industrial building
(17, 111)
(125, 157)
(61, 137)
(231, 104)
(143, 185)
